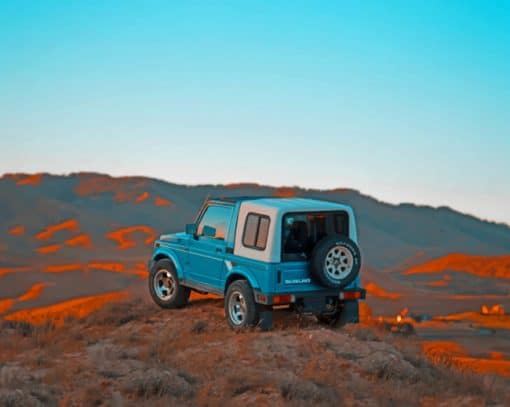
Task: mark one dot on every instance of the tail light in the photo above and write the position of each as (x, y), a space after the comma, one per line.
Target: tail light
(261, 299)
(350, 295)
(283, 299)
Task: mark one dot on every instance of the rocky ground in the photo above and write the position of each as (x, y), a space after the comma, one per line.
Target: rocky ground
(133, 353)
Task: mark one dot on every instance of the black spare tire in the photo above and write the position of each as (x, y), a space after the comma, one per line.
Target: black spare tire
(335, 261)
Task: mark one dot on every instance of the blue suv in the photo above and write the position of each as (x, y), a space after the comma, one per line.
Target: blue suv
(260, 252)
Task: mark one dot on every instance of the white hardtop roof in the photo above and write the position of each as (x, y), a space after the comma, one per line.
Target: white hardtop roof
(295, 204)
(275, 209)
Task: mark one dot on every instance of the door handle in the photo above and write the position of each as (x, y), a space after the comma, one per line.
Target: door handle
(219, 249)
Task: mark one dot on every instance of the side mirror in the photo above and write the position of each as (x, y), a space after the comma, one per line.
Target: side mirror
(191, 229)
(209, 231)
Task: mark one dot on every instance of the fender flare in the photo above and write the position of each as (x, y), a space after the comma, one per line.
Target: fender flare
(241, 272)
(170, 255)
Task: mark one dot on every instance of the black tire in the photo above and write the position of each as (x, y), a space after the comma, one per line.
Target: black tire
(347, 313)
(170, 294)
(343, 261)
(240, 294)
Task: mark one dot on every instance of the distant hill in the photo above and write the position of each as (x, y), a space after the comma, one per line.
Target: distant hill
(64, 239)
(86, 214)
(483, 266)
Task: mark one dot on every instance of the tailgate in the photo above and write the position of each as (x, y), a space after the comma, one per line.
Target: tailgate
(294, 276)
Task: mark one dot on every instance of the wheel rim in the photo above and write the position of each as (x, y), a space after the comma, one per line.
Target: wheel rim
(164, 284)
(338, 263)
(237, 308)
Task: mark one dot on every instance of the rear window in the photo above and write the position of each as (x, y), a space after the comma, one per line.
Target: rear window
(302, 231)
(256, 230)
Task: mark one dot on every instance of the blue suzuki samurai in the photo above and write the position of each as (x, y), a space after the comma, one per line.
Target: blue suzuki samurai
(259, 253)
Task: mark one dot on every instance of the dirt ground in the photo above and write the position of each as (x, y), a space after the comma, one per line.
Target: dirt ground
(133, 353)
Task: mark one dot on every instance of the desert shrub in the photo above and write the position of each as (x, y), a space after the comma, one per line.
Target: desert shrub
(92, 396)
(11, 376)
(186, 376)
(16, 398)
(161, 346)
(45, 335)
(389, 366)
(366, 333)
(240, 382)
(19, 388)
(120, 313)
(44, 394)
(411, 352)
(295, 389)
(156, 382)
(199, 327)
(20, 328)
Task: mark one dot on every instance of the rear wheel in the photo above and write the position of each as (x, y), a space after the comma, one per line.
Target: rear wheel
(164, 286)
(347, 313)
(240, 307)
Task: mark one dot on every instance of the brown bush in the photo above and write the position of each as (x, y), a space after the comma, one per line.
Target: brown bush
(293, 388)
(158, 382)
(122, 312)
(199, 327)
(129, 352)
(19, 388)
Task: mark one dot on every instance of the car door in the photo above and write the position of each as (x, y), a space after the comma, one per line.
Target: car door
(207, 253)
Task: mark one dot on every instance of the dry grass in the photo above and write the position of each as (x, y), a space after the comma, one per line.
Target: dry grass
(292, 388)
(132, 353)
(19, 388)
(155, 382)
(120, 313)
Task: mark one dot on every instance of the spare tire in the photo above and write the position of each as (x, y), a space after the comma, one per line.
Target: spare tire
(335, 261)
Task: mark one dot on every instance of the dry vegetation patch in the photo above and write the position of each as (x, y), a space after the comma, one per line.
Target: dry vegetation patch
(133, 353)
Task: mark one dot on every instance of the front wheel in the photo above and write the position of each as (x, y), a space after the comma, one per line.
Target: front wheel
(164, 286)
(240, 307)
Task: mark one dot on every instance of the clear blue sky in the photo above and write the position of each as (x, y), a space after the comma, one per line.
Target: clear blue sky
(403, 100)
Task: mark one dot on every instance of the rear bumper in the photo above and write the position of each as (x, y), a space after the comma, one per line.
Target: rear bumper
(314, 298)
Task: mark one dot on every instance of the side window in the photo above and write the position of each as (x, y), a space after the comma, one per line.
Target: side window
(342, 224)
(217, 217)
(256, 230)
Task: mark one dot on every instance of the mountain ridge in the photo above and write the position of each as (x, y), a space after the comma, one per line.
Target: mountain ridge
(247, 184)
(389, 233)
